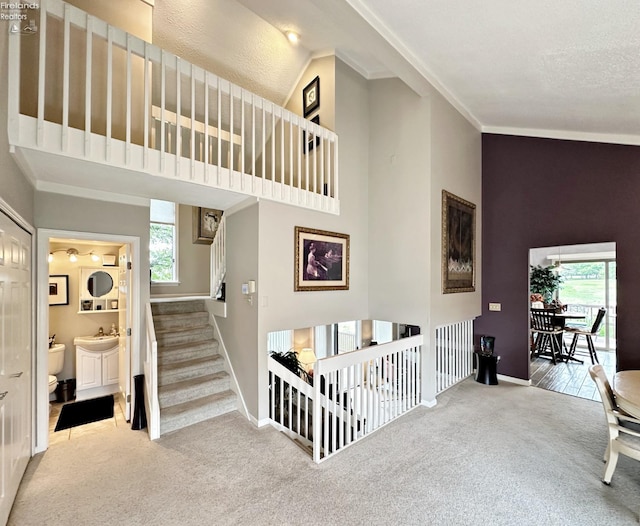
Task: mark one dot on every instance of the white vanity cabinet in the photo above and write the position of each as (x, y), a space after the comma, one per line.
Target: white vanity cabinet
(97, 372)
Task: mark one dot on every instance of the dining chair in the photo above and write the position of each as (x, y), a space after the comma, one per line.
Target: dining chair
(589, 335)
(624, 430)
(548, 335)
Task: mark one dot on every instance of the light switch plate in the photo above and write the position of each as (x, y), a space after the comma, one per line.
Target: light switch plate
(495, 306)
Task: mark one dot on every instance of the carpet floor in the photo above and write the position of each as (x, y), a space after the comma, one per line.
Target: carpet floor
(499, 455)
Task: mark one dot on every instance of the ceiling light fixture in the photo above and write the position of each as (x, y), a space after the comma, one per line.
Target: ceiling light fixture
(73, 255)
(292, 36)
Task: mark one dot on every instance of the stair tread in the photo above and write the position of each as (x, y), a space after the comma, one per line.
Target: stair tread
(191, 383)
(178, 347)
(183, 330)
(194, 362)
(194, 318)
(178, 409)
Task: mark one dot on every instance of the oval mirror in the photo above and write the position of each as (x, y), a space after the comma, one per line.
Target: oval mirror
(99, 284)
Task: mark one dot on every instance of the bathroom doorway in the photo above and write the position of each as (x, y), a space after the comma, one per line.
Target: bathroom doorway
(587, 284)
(72, 268)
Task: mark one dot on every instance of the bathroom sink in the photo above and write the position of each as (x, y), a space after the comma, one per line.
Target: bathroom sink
(96, 343)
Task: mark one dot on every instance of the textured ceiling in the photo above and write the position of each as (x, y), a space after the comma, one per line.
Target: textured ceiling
(534, 67)
(545, 66)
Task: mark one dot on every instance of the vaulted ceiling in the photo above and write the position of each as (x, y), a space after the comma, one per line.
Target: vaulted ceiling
(568, 69)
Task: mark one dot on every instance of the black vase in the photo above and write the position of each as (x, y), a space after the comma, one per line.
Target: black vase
(139, 420)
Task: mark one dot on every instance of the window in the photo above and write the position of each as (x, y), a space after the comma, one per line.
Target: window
(163, 242)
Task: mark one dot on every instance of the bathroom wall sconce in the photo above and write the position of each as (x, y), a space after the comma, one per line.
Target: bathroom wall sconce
(292, 36)
(73, 254)
(249, 289)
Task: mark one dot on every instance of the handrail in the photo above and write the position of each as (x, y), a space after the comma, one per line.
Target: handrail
(218, 257)
(138, 107)
(358, 392)
(151, 376)
(353, 395)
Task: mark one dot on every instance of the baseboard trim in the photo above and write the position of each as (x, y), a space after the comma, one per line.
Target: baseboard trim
(260, 423)
(429, 403)
(513, 380)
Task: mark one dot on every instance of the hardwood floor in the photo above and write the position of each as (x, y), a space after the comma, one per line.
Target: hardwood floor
(571, 378)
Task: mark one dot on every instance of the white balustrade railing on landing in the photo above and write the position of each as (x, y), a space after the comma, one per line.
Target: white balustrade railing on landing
(218, 257)
(82, 88)
(353, 395)
(151, 377)
(454, 354)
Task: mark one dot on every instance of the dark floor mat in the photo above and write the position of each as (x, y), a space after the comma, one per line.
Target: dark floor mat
(85, 412)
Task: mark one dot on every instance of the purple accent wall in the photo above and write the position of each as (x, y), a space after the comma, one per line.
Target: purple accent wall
(548, 192)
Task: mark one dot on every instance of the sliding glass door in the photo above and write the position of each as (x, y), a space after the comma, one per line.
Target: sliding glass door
(586, 287)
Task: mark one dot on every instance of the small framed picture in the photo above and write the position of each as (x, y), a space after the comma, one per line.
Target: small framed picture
(205, 224)
(59, 290)
(321, 260)
(311, 140)
(311, 97)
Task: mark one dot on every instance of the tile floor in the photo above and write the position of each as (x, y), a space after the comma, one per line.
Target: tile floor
(571, 378)
(87, 429)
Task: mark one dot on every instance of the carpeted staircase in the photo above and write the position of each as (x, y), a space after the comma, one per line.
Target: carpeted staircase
(192, 382)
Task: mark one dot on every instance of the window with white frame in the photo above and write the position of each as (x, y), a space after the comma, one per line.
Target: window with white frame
(163, 242)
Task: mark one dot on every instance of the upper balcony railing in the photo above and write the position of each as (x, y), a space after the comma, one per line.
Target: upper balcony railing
(81, 88)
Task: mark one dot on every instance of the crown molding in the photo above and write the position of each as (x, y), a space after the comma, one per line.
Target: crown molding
(610, 138)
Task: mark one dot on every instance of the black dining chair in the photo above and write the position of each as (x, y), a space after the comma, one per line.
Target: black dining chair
(548, 335)
(588, 334)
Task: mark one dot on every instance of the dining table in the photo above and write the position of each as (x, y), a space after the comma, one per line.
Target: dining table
(560, 320)
(626, 388)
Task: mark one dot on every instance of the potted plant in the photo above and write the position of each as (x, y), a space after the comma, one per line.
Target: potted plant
(544, 281)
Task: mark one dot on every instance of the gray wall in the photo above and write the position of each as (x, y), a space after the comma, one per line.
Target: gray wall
(239, 330)
(280, 306)
(418, 147)
(456, 166)
(399, 190)
(193, 260)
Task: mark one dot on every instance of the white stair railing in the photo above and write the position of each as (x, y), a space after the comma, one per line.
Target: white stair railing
(151, 377)
(454, 354)
(290, 403)
(218, 257)
(353, 395)
(105, 96)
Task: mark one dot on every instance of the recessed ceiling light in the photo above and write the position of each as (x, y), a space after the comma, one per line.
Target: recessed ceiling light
(292, 36)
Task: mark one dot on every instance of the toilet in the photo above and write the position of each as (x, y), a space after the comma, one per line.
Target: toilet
(56, 362)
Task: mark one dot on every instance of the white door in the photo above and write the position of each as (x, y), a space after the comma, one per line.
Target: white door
(15, 359)
(124, 329)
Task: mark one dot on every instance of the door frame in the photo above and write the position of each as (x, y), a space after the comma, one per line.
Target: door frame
(41, 383)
